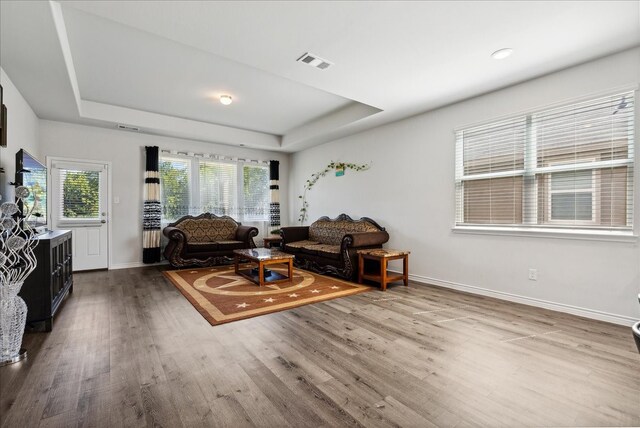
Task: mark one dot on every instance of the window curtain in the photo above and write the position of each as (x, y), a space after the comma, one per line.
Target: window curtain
(152, 211)
(274, 211)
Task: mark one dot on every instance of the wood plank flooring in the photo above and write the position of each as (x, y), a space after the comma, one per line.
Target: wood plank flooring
(128, 350)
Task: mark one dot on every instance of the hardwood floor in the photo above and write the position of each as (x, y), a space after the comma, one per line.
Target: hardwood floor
(128, 350)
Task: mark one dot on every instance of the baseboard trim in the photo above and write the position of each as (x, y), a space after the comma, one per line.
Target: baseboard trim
(558, 307)
(134, 265)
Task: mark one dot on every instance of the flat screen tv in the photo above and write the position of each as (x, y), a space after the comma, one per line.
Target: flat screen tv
(33, 174)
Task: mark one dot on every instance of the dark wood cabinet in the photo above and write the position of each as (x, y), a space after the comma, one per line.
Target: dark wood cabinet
(46, 287)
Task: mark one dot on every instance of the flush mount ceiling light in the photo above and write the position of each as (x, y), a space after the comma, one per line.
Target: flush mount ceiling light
(226, 99)
(502, 53)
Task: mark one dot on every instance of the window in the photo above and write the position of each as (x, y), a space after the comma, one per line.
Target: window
(572, 197)
(255, 192)
(193, 185)
(566, 167)
(219, 188)
(175, 183)
(80, 195)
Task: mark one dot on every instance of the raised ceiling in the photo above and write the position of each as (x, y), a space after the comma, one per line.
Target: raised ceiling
(159, 65)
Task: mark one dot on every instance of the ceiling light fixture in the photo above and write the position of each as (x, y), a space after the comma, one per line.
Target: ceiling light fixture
(502, 53)
(226, 99)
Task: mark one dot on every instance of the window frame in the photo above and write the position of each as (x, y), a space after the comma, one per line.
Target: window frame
(175, 157)
(79, 221)
(595, 200)
(195, 197)
(556, 229)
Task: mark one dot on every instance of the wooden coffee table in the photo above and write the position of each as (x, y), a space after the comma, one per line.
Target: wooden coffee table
(383, 256)
(263, 257)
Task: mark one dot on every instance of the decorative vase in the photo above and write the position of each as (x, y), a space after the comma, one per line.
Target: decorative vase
(13, 317)
(17, 261)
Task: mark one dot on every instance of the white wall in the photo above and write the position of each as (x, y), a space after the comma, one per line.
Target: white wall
(126, 152)
(22, 133)
(410, 191)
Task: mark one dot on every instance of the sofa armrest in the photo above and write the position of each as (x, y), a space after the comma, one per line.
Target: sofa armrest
(365, 239)
(246, 234)
(294, 233)
(174, 234)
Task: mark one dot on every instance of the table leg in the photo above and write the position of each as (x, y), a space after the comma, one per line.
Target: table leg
(360, 268)
(236, 261)
(260, 274)
(405, 270)
(383, 273)
(290, 270)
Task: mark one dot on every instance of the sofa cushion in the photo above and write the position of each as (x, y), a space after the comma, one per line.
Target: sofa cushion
(330, 251)
(331, 232)
(230, 245)
(208, 229)
(299, 244)
(201, 247)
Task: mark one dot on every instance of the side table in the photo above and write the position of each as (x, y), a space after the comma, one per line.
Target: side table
(383, 256)
(272, 242)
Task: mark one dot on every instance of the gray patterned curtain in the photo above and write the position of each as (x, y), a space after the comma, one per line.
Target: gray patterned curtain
(274, 211)
(152, 211)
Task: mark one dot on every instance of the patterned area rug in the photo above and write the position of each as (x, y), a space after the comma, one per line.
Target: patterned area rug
(221, 296)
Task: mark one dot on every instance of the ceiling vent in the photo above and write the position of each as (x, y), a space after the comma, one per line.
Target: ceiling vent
(129, 128)
(315, 61)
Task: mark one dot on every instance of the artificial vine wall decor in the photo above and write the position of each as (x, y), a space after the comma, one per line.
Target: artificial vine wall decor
(315, 177)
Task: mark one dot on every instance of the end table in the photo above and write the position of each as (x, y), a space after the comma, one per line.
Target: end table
(272, 242)
(383, 256)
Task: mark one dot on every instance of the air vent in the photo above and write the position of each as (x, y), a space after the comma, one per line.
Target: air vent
(129, 128)
(315, 61)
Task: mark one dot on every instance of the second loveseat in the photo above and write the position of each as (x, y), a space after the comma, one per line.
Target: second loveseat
(329, 246)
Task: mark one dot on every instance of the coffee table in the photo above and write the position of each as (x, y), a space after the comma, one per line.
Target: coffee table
(263, 257)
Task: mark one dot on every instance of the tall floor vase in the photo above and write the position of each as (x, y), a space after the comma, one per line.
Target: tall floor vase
(13, 316)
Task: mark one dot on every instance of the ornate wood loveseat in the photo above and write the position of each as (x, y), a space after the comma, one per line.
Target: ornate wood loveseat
(329, 246)
(206, 240)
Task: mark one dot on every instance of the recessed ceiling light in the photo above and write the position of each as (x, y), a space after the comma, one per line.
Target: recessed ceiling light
(502, 53)
(226, 99)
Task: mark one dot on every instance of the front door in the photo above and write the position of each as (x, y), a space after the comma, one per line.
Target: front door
(79, 203)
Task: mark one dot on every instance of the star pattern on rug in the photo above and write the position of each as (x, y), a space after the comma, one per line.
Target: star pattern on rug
(315, 291)
(335, 287)
(242, 305)
(293, 295)
(269, 300)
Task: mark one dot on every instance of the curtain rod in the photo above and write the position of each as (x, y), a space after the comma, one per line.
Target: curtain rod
(214, 156)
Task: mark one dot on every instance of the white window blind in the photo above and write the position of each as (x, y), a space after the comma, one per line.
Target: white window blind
(175, 183)
(194, 184)
(566, 167)
(80, 192)
(218, 188)
(256, 195)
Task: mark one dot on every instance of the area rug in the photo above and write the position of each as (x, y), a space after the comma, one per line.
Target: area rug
(221, 296)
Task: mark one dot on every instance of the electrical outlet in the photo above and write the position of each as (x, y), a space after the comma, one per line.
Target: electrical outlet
(533, 274)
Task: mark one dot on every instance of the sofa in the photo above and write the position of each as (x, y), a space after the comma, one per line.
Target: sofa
(206, 240)
(636, 330)
(329, 246)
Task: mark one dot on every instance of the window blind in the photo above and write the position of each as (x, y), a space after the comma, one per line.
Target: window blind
(218, 188)
(195, 184)
(566, 167)
(80, 192)
(491, 166)
(255, 182)
(175, 179)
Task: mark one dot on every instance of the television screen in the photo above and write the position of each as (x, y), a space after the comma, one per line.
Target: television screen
(33, 175)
